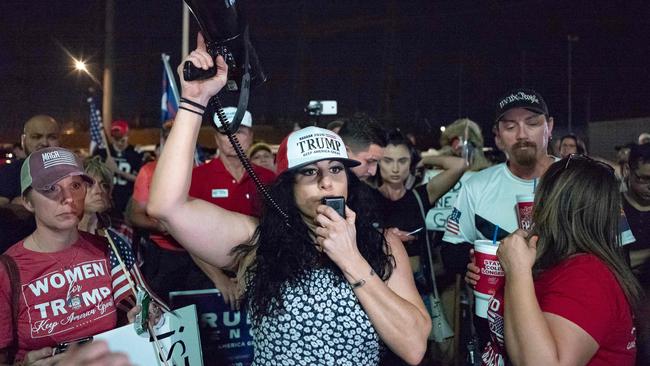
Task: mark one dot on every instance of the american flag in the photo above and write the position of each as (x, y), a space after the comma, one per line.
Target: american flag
(452, 222)
(96, 125)
(122, 293)
(169, 100)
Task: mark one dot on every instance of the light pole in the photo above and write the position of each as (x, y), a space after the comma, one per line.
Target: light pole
(107, 100)
(185, 44)
(570, 40)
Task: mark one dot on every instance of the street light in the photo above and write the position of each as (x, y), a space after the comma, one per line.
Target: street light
(81, 66)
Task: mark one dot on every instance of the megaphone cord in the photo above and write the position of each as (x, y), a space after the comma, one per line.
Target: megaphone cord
(216, 104)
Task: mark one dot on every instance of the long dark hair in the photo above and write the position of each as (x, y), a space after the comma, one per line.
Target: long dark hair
(281, 255)
(577, 210)
(395, 137)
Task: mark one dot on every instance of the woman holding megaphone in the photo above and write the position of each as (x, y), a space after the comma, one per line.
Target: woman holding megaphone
(320, 288)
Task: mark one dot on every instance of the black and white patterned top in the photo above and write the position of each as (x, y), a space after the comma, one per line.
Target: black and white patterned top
(323, 324)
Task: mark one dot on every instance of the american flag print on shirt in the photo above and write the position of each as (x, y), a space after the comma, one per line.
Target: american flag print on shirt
(452, 222)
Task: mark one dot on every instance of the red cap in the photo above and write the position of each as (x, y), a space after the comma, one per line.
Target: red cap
(282, 163)
(120, 126)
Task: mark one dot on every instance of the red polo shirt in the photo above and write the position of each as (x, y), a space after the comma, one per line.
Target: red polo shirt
(213, 183)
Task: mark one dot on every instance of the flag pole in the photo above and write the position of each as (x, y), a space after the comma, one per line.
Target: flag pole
(105, 142)
(161, 350)
(170, 77)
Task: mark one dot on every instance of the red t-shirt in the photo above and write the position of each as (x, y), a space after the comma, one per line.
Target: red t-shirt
(63, 296)
(141, 195)
(584, 291)
(213, 183)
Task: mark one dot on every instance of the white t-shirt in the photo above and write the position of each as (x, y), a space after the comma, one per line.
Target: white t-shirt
(488, 199)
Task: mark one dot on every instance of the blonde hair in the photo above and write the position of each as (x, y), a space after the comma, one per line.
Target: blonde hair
(94, 166)
(259, 147)
(457, 128)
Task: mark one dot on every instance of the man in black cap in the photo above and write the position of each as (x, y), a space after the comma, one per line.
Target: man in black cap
(522, 129)
(486, 202)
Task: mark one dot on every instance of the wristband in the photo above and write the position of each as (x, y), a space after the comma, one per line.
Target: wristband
(194, 104)
(191, 110)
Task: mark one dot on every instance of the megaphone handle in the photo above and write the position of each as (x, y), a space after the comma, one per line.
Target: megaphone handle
(191, 72)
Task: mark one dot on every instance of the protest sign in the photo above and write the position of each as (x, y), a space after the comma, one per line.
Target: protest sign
(225, 334)
(178, 337)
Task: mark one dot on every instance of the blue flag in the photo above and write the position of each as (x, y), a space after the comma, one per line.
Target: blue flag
(169, 100)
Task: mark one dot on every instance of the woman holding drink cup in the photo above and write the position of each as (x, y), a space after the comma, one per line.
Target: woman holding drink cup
(569, 295)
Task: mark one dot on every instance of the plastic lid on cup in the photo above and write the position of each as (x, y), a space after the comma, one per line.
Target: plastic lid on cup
(486, 246)
(525, 198)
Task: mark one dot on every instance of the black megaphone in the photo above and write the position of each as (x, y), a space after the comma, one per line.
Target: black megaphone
(225, 32)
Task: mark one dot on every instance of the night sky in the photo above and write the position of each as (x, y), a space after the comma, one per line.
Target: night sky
(414, 64)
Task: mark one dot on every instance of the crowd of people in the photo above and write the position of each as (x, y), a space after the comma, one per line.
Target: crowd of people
(327, 286)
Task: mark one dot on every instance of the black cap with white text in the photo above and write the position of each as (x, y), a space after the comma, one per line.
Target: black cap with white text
(521, 98)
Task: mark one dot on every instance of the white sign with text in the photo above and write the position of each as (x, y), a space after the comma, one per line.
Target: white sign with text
(178, 337)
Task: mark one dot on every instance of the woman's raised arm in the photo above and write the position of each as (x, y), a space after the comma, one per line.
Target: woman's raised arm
(205, 230)
(453, 168)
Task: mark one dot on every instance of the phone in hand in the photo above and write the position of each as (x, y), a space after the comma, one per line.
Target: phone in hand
(64, 346)
(337, 203)
(322, 108)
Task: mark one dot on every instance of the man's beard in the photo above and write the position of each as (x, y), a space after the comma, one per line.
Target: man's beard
(524, 157)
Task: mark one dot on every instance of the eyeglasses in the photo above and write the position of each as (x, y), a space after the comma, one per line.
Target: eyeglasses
(639, 179)
(581, 157)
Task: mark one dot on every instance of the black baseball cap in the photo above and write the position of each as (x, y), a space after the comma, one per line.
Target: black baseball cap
(521, 98)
